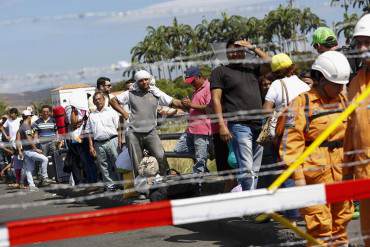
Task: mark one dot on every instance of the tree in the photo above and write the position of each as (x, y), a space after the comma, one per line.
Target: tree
(285, 24)
(37, 105)
(118, 86)
(201, 40)
(181, 43)
(364, 4)
(346, 26)
(179, 38)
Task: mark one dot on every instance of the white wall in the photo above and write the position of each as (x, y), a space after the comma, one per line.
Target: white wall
(64, 97)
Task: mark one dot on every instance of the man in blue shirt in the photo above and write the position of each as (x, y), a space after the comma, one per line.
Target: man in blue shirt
(46, 132)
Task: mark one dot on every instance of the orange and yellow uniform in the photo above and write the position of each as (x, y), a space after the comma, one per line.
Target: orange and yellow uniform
(324, 165)
(358, 139)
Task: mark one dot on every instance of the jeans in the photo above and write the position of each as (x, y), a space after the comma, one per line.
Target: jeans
(197, 145)
(107, 154)
(86, 161)
(248, 154)
(49, 149)
(137, 142)
(30, 157)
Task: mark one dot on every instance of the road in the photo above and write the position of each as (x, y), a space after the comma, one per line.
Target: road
(227, 232)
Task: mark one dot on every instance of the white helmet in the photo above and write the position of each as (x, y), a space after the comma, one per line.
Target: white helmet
(334, 66)
(362, 27)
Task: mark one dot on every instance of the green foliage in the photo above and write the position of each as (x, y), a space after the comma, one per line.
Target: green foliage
(346, 4)
(179, 41)
(37, 105)
(346, 26)
(118, 86)
(176, 88)
(205, 71)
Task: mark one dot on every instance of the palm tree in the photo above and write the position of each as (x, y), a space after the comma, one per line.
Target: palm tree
(346, 26)
(201, 40)
(179, 37)
(219, 29)
(364, 4)
(285, 24)
(282, 24)
(309, 21)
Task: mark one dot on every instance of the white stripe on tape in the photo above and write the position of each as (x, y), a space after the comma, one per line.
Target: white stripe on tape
(245, 203)
(4, 237)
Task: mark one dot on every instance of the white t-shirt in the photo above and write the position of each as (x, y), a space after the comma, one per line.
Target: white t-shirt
(12, 126)
(294, 87)
(92, 107)
(75, 134)
(164, 99)
(103, 124)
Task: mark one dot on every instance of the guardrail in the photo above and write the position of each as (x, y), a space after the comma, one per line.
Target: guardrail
(171, 154)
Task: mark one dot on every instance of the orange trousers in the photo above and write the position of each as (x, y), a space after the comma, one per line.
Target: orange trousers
(328, 221)
(365, 220)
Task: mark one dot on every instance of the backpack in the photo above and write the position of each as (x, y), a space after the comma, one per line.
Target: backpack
(61, 122)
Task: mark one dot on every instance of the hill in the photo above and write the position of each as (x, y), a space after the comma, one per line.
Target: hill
(21, 100)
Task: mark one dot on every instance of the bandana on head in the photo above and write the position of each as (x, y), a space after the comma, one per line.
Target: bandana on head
(143, 74)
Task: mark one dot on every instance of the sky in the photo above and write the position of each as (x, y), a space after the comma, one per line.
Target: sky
(60, 38)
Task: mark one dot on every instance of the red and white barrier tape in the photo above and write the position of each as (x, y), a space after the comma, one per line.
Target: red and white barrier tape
(177, 212)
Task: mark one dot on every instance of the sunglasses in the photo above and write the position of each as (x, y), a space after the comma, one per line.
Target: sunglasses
(108, 85)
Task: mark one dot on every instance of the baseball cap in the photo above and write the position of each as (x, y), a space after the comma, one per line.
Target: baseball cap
(191, 73)
(324, 36)
(27, 113)
(280, 61)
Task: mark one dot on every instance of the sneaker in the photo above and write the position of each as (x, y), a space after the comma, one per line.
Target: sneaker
(355, 215)
(14, 186)
(141, 197)
(44, 182)
(237, 188)
(110, 188)
(119, 187)
(33, 189)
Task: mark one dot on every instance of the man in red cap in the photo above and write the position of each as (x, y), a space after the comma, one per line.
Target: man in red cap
(196, 137)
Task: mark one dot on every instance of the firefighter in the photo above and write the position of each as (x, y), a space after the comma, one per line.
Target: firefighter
(313, 112)
(358, 135)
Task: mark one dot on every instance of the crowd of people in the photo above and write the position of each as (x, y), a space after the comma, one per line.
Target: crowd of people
(224, 117)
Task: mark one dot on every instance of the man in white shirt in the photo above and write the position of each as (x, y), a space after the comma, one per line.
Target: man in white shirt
(103, 85)
(102, 126)
(143, 99)
(12, 125)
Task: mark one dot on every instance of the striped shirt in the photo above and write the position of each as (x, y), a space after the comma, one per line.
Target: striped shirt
(44, 128)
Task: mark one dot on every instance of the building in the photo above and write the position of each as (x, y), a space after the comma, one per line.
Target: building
(78, 92)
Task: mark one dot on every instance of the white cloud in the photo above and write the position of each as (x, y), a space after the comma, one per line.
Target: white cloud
(193, 7)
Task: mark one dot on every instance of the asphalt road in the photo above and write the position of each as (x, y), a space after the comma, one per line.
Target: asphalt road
(227, 232)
